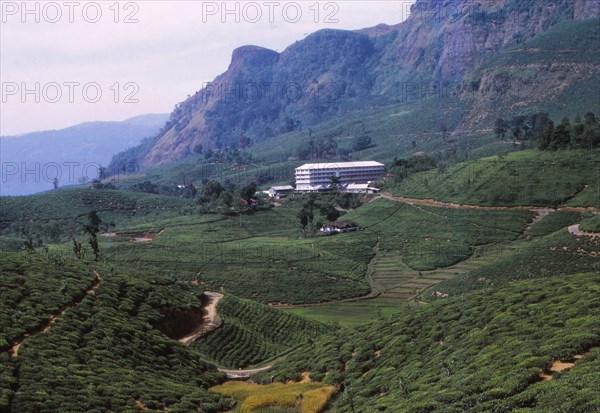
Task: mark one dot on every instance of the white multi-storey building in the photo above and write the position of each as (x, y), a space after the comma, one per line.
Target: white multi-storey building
(317, 176)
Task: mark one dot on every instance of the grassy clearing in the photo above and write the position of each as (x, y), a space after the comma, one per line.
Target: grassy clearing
(350, 314)
(294, 397)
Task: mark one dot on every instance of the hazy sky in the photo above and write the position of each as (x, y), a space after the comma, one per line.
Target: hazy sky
(107, 60)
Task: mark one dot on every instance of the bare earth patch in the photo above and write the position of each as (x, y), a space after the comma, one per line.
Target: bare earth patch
(558, 366)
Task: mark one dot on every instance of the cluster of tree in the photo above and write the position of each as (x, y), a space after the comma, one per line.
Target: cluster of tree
(521, 128)
(226, 155)
(317, 148)
(347, 200)
(570, 135)
(215, 197)
(290, 125)
(327, 147)
(97, 184)
(403, 168)
(327, 210)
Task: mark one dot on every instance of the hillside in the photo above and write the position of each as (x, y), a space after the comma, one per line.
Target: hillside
(450, 52)
(479, 352)
(520, 178)
(83, 147)
(70, 332)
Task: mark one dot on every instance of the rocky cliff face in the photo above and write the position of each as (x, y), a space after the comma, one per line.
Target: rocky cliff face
(331, 72)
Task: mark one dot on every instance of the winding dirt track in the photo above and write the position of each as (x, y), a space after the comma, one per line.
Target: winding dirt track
(45, 327)
(575, 230)
(210, 319)
(210, 322)
(454, 205)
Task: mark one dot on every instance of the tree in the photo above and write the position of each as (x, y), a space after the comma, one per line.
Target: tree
(28, 243)
(226, 198)
(189, 191)
(518, 127)
(546, 137)
(248, 192)
(212, 190)
(500, 128)
(562, 135)
(590, 119)
(55, 183)
(591, 134)
(577, 130)
(92, 229)
(334, 182)
(329, 211)
(306, 214)
(77, 249)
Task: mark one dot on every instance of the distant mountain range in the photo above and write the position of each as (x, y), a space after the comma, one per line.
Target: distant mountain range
(468, 50)
(31, 161)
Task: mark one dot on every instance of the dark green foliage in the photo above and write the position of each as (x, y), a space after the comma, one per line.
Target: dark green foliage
(33, 290)
(522, 128)
(330, 212)
(318, 148)
(248, 192)
(347, 200)
(571, 136)
(403, 168)
(252, 333)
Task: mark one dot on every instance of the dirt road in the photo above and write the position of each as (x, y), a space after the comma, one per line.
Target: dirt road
(210, 319)
(454, 205)
(575, 230)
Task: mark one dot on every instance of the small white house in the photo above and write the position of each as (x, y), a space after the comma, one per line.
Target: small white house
(339, 226)
(278, 192)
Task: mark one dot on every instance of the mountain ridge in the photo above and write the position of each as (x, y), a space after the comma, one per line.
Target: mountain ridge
(28, 158)
(334, 72)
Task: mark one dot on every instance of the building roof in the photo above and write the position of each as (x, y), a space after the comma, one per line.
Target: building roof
(339, 165)
(282, 188)
(361, 187)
